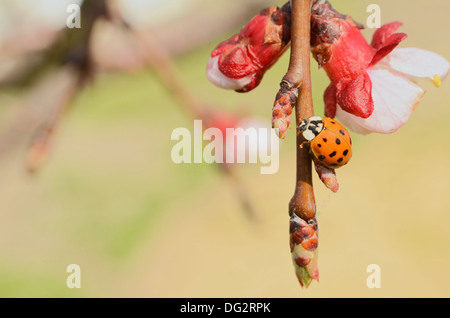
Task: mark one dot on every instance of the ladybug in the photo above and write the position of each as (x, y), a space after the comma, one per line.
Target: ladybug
(329, 141)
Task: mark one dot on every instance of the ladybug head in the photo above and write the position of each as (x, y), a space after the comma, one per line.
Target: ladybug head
(311, 127)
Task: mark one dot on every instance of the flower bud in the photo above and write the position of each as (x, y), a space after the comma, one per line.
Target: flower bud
(327, 176)
(240, 62)
(303, 244)
(282, 110)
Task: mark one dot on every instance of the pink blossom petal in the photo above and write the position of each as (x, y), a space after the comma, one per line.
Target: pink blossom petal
(394, 96)
(216, 77)
(418, 63)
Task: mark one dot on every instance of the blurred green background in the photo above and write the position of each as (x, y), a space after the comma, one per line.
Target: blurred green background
(111, 200)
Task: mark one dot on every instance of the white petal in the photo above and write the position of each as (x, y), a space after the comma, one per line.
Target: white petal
(418, 62)
(394, 96)
(216, 77)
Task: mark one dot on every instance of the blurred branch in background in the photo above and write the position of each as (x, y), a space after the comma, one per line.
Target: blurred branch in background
(67, 60)
(62, 70)
(72, 52)
(160, 61)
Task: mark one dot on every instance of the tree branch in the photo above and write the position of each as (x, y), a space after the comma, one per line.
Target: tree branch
(303, 227)
(299, 75)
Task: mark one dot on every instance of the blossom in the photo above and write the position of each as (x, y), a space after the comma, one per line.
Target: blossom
(222, 121)
(240, 62)
(372, 86)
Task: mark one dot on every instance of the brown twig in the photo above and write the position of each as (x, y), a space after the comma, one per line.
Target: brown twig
(303, 227)
(299, 75)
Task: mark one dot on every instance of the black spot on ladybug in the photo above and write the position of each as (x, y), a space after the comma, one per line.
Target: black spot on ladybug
(351, 141)
(334, 165)
(319, 145)
(342, 132)
(321, 158)
(346, 152)
(324, 139)
(332, 154)
(333, 122)
(338, 141)
(340, 160)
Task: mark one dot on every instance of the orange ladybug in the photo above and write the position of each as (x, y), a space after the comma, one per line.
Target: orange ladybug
(329, 141)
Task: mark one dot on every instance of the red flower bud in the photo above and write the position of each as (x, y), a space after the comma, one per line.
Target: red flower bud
(240, 62)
